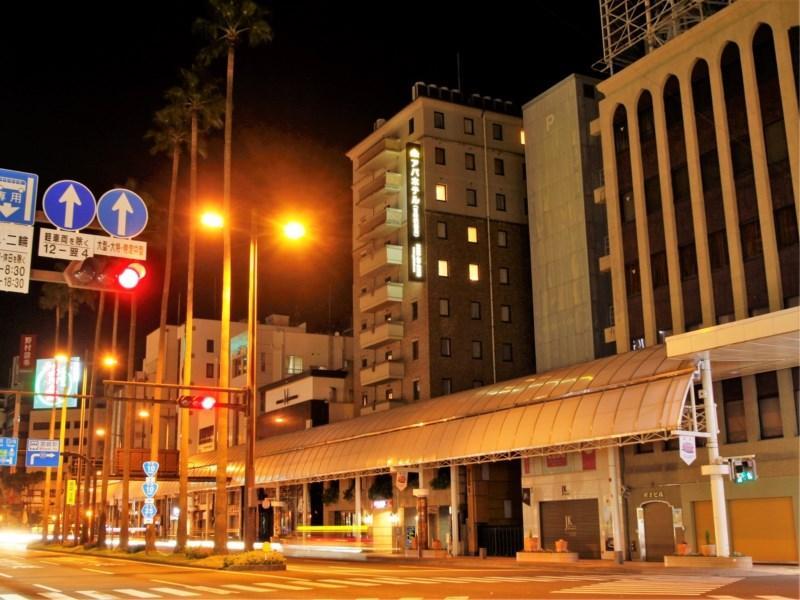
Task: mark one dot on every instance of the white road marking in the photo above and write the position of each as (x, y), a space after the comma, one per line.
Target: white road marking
(96, 595)
(316, 584)
(6, 576)
(135, 593)
(44, 587)
(12, 597)
(773, 597)
(246, 588)
(199, 588)
(56, 596)
(98, 571)
(349, 582)
(282, 586)
(456, 598)
(420, 580)
(175, 592)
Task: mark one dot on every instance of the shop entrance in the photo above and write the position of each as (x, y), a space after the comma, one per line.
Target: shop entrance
(576, 521)
(659, 535)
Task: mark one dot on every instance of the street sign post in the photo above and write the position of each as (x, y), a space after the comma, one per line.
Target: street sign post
(16, 248)
(42, 453)
(8, 451)
(18, 197)
(122, 213)
(69, 205)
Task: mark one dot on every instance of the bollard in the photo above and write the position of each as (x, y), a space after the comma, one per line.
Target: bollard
(482, 553)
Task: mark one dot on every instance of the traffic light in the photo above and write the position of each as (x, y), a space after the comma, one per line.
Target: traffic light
(106, 274)
(743, 469)
(204, 402)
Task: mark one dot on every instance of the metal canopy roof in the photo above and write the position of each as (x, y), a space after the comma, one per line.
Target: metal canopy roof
(622, 399)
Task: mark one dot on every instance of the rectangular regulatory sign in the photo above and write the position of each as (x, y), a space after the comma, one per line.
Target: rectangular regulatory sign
(8, 451)
(68, 245)
(16, 249)
(27, 352)
(416, 213)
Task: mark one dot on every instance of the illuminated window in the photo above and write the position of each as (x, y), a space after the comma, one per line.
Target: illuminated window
(469, 126)
(441, 192)
(472, 235)
(438, 120)
(469, 161)
(502, 239)
(497, 131)
(415, 389)
(440, 158)
(473, 273)
(522, 136)
(472, 197)
(294, 365)
(444, 269)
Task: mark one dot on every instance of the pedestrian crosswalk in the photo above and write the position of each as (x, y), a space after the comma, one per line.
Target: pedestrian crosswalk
(587, 586)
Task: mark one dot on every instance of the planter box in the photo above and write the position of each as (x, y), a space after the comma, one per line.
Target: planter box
(706, 562)
(547, 557)
(256, 568)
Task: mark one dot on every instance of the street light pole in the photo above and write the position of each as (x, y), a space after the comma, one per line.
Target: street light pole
(252, 388)
(108, 456)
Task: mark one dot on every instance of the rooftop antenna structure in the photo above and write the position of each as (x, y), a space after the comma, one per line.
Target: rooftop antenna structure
(458, 71)
(633, 28)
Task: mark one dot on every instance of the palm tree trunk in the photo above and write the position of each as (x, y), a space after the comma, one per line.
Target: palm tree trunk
(221, 501)
(128, 432)
(110, 442)
(183, 484)
(48, 472)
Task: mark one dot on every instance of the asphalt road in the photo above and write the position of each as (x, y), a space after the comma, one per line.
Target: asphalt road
(26, 574)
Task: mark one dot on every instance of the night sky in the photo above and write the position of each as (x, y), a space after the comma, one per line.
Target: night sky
(81, 81)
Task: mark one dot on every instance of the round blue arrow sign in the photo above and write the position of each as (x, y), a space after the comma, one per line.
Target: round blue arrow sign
(122, 213)
(69, 205)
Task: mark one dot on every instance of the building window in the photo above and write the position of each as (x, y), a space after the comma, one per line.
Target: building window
(504, 276)
(415, 350)
(499, 166)
(473, 273)
(444, 347)
(733, 406)
(751, 239)
(363, 325)
(410, 126)
(294, 365)
(502, 238)
(469, 161)
(718, 250)
(363, 362)
(441, 192)
(500, 201)
(687, 257)
(388, 355)
(505, 313)
(438, 120)
(472, 197)
(472, 235)
(497, 131)
(507, 352)
(447, 386)
(444, 270)
(444, 307)
(632, 282)
(414, 310)
(441, 230)
(785, 227)
(389, 394)
(415, 389)
(477, 349)
(475, 310)
(205, 435)
(469, 126)
(440, 157)
(210, 370)
(769, 406)
(364, 399)
(210, 346)
(626, 206)
(658, 265)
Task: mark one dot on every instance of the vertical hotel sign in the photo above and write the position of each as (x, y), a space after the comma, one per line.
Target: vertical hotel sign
(415, 212)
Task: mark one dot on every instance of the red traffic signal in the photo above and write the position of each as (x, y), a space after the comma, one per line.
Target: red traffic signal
(204, 402)
(105, 274)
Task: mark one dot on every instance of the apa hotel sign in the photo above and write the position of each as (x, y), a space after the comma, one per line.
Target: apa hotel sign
(416, 237)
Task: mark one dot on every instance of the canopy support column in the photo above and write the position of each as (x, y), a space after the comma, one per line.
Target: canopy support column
(455, 541)
(357, 481)
(615, 481)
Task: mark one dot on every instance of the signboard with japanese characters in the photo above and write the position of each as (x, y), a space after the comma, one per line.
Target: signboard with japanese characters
(80, 246)
(16, 248)
(27, 352)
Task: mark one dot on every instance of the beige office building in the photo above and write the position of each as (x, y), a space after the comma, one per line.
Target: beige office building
(700, 153)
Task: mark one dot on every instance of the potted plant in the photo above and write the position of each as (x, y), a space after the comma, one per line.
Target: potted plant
(531, 542)
(682, 549)
(708, 549)
(561, 545)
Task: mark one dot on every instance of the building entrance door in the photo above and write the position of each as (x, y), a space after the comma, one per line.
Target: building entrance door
(659, 535)
(576, 521)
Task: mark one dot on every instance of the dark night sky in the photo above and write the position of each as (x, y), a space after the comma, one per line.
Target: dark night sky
(83, 79)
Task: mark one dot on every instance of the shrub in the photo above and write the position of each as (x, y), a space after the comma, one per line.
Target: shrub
(381, 488)
(256, 557)
(331, 493)
(134, 548)
(442, 479)
(198, 552)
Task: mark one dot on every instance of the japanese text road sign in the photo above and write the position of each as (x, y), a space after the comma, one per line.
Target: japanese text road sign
(69, 205)
(122, 213)
(42, 453)
(16, 249)
(18, 197)
(72, 491)
(8, 451)
(80, 246)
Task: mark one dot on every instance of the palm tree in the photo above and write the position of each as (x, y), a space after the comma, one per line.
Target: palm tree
(204, 105)
(232, 22)
(169, 136)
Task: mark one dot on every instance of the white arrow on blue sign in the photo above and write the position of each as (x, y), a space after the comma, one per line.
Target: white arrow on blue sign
(150, 468)
(18, 197)
(122, 213)
(149, 489)
(69, 205)
(149, 511)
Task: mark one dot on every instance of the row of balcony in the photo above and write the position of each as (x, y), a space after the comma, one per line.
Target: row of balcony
(381, 155)
(380, 224)
(386, 256)
(382, 372)
(381, 189)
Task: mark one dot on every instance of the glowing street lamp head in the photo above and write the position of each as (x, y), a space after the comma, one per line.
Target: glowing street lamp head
(144, 413)
(294, 230)
(110, 361)
(100, 432)
(61, 357)
(212, 220)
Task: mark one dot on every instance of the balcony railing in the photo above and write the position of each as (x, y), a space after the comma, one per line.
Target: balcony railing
(382, 372)
(382, 297)
(376, 191)
(380, 224)
(383, 334)
(387, 256)
(383, 154)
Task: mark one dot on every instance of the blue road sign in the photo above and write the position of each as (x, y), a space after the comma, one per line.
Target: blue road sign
(8, 451)
(149, 489)
(69, 205)
(150, 468)
(18, 197)
(149, 511)
(42, 453)
(122, 213)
